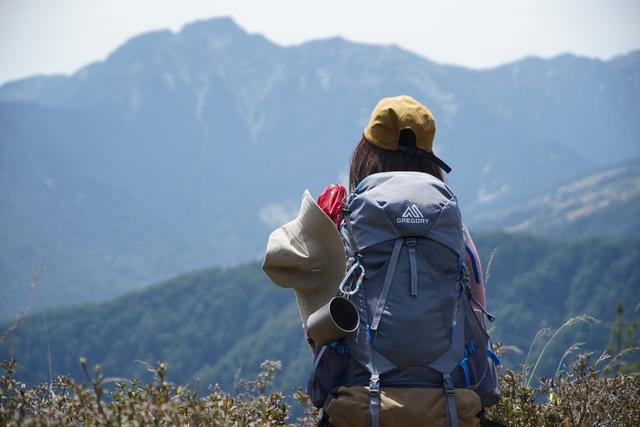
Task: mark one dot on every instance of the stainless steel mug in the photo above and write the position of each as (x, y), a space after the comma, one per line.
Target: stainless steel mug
(333, 320)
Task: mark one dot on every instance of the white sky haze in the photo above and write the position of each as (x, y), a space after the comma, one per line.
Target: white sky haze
(53, 36)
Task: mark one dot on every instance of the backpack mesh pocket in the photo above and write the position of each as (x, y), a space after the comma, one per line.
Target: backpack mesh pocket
(329, 367)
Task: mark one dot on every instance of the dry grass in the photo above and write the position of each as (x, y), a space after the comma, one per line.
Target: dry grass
(15, 325)
(583, 397)
(585, 394)
(65, 402)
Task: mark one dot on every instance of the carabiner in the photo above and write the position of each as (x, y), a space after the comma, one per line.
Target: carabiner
(345, 287)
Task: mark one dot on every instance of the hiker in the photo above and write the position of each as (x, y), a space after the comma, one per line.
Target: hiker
(393, 251)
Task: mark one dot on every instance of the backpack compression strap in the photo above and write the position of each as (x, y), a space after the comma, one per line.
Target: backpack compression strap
(374, 401)
(386, 287)
(450, 401)
(411, 244)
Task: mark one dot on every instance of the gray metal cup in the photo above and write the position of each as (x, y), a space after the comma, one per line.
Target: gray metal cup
(333, 320)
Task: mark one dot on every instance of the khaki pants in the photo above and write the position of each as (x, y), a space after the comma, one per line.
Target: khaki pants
(402, 407)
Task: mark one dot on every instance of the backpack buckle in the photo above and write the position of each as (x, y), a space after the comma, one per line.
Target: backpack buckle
(410, 241)
(374, 385)
(448, 385)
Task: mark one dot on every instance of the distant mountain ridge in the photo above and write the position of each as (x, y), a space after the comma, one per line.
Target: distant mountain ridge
(182, 150)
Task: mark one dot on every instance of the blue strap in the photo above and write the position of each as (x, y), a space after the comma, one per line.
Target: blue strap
(474, 266)
(339, 347)
(465, 369)
(470, 347)
(493, 357)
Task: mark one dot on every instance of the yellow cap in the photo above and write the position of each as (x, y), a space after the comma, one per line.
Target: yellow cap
(392, 115)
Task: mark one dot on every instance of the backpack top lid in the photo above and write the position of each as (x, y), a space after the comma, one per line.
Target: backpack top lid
(389, 205)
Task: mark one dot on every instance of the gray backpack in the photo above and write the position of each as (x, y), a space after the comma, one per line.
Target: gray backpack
(418, 326)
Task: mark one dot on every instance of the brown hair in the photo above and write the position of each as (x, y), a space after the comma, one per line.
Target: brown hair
(368, 159)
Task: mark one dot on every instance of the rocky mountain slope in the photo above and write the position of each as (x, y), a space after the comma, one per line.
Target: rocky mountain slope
(605, 203)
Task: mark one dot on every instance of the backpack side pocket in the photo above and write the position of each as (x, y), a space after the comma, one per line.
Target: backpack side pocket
(480, 363)
(329, 366)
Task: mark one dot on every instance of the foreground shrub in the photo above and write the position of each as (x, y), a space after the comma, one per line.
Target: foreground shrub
(583, 397)
(64, 402)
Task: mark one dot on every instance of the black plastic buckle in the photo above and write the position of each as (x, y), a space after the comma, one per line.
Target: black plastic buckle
(410, 241)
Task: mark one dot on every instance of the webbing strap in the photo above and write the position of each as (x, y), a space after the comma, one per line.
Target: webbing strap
(351, 237)
(374, 401)
(493, 356)
(386, 287)
(450, 401)
(411, 244)
(464, 364)
(474, 266)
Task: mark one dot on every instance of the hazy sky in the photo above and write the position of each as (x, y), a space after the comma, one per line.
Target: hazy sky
(48, 36)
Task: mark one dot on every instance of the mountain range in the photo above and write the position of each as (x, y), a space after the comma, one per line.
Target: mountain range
(183, 150)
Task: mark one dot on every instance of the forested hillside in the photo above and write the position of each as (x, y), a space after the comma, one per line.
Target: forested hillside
(208, 324)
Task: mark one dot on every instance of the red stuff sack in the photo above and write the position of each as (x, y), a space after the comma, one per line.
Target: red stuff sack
(331, 201)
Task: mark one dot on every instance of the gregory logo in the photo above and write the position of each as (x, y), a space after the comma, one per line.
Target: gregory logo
(412, 215)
